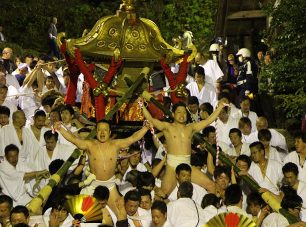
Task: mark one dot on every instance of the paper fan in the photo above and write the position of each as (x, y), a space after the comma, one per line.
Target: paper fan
(230, 220)
(85, 206)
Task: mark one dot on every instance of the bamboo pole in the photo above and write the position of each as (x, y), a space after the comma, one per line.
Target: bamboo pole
(267, 197)
(36, 203)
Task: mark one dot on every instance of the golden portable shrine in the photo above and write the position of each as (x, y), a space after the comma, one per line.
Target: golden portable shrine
(124, 51)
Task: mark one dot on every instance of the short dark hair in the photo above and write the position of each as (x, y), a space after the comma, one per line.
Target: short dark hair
(207, 130)
(67, 107)
(210, 199)
(185, 189)
(50, 134)
(159, 205)
(145, 179)
(10, 147)
(244, 121)
(198, 159)
(291, 201)
(132, 195)
(222, 169)
(20, 209)
(181, 167)
(224, 95)
(134, 147)
(101, 193)
(264, 134)
(300, 135)
(55, 165)
(145, 192)
(176, 105)
(290, 167)
(245, 159)
(5, 110)
(200, 70)
(6, 199)
(255, 198)
(233, 195)
(193, 100)
(39, 113)
(258, 145)
(207, 107)
(235, 130)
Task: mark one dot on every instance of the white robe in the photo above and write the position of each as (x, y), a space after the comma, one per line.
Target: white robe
(28, 103)
(252, 116)
(67, 222)
(185, 213)
(273, 154)
(27, 150)
(140, 167)
(41, 140)
(62, 140)
(42, 159)
(142, 215)
(244, 150)
(207, 93)
(9, 104)
(223, 129)
(12, 183)
(275, 220)
(301, 191)
(273, 176)
(212, 72)
(197, 196)
(294, 158)
(277, 139)
(252, 137)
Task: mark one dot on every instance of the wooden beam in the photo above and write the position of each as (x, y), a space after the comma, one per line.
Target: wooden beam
(246, 15)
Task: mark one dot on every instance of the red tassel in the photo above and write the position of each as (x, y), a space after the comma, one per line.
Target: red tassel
(87, 203)
(232, 220)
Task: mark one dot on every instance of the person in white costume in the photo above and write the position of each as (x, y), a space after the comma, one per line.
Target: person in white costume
(291, 172)
(245, 126)
(264, 136)
(204, 91)
(16, 177)
(277, 140)
(38, 127)
(237, 147)
(184, 212)
(298, 156)
(159, 214)
(245, 105)
(183, 174)
(51, 151)
(136, 215)
(22, 137)
(266, 172)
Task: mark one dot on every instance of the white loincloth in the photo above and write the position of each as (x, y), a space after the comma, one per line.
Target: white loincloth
(175, 160)
(89, 190)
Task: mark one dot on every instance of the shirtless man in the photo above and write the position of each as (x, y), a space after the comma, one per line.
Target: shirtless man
(102, 154)
(178, 138)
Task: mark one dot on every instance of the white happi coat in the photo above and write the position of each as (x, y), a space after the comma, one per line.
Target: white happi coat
(27, 150)
(212, 72)
(184, 212)
(41, 140)
(273, 176)
(197, 195)
(223, 129)
(42, 159)
(207, 93)
(294, 158)
(12, 183)
(244, 150)
(252, 116)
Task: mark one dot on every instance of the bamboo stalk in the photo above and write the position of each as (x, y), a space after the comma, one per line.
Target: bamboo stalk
(36, 203)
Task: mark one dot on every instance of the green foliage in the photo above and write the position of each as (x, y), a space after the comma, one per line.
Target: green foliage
(27, 22)
(285, 77)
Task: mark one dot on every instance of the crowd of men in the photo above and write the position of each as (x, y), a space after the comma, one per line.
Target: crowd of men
(158, 177)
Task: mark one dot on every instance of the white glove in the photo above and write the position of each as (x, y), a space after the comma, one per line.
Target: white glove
(89, 179)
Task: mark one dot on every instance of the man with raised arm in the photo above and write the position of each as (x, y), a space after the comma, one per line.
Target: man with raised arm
(102, 154)
(178, 138)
